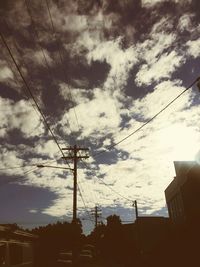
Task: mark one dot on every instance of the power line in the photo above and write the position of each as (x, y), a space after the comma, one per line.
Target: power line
(19, 167)
(83, 202)
(83, 193)
(16, 78)
(61, 61)
(148, 121)
(117, 193)
(138, 129)
(29, 171)
(36, 35)
(90, 192)
(51, 20)
(25, 166)
(31, 94)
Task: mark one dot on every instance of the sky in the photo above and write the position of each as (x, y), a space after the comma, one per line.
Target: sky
(98, 70)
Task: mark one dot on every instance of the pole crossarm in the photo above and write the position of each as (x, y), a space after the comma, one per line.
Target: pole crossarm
(97, 214)
(77, 148)
(78, 157)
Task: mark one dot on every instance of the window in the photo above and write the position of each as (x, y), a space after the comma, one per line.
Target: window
(2, 254)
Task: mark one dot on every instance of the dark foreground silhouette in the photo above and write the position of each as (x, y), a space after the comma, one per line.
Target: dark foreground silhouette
(139, 244)
(149, 242)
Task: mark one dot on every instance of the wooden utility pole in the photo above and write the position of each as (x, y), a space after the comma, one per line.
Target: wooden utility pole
(96, 214)
(75, 157)
(136, 208)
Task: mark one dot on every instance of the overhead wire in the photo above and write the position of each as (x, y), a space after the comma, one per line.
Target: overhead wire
(26, 96)
(89, 192)
(29, 171)
(138, 129)
(110, 147)
(61, 61)
(19, 167)
(69, 89)
(90, 195)
(31, 94)
(35, 33)
(134, 132)
(147, 122)
(50, 16)
(33, 98)
(83, 202)
(37, 40)
(100, 179)
(42, 114)
(25, 166)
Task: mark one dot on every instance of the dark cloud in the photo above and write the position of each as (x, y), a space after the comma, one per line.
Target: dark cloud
(95, 73)
(88, 7)
(20, 200)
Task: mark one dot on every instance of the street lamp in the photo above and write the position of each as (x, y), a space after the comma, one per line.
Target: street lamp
(56, 167)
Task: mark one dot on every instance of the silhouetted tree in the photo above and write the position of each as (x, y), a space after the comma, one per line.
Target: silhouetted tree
(96, 238)
(54, 238)
(111, 241)
(113, 221)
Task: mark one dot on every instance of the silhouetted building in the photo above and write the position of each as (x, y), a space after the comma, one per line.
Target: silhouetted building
(151, 232)
(183, 193)
(16, 246)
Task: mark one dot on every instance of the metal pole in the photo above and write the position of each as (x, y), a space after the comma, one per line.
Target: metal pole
(96, 216)
(136, 209)
(75, 186)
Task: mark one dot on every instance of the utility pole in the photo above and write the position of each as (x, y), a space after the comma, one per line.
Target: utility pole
(97, 213)
(136, 208)
(75, 157)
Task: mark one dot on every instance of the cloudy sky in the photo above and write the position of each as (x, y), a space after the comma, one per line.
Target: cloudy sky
(98, 70)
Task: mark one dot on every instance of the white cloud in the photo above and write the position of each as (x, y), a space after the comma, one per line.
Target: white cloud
(182, 2)
(151, 49)
(19, 115)
(164, 25)
(97, 116)
(5, 73)
(150, 3)
(154, 101)
(174, 135)
(42, 57)
(194, 48)
(162, 68)
(47, 148)
(121, 61)
(10, 158)
(33, 211)
(160, 61)
(185, 22)
(68, 19)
